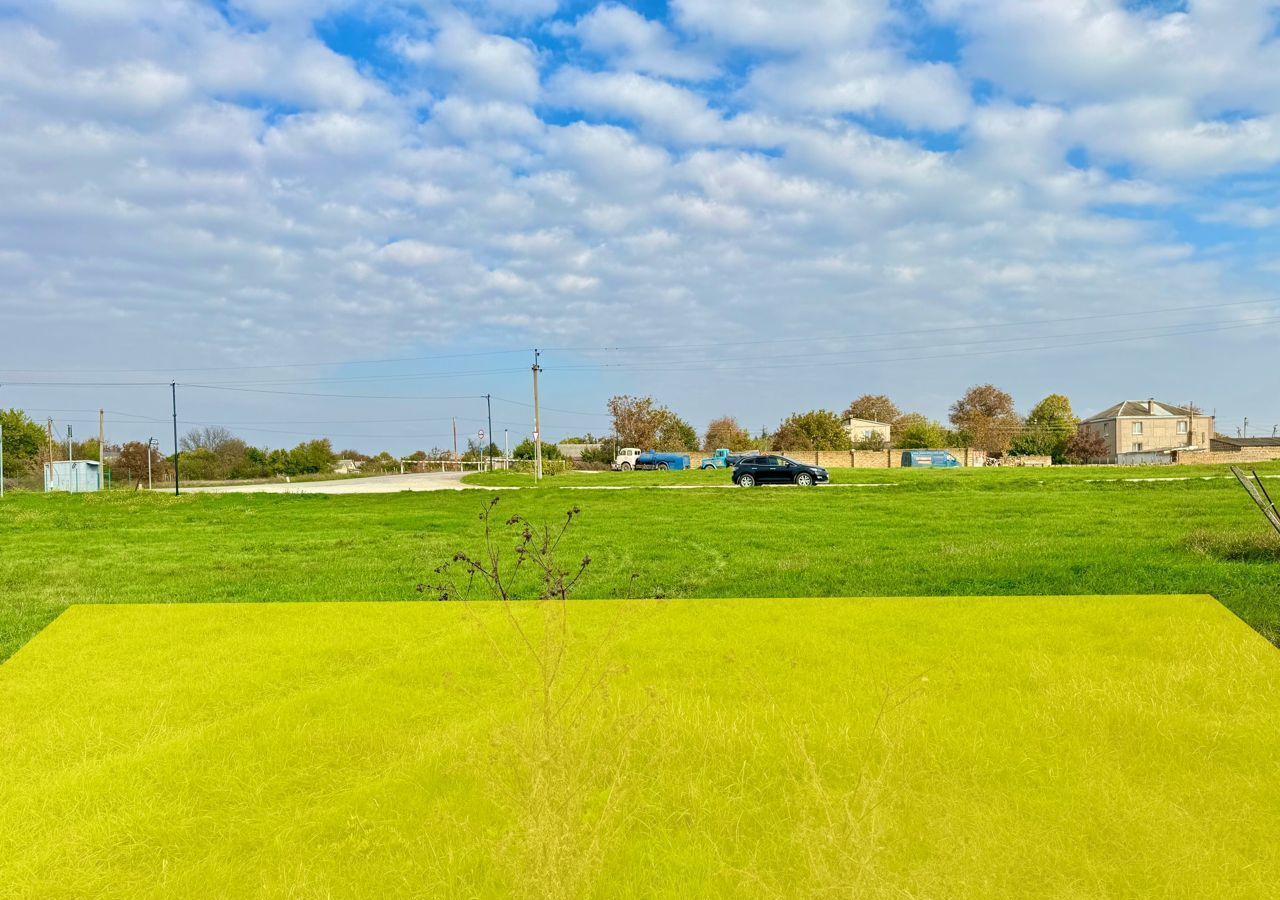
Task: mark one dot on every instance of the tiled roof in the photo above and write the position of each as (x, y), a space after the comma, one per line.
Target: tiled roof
(1138, 408)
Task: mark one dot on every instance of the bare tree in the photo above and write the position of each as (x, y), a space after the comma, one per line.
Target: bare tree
(212, 438)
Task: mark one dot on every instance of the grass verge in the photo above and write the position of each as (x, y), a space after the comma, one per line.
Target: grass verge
(990, 747)
(938, 533)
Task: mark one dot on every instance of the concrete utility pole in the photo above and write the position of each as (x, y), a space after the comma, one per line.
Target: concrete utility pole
(49, 426)
(537, 431)
(173, 387)
(506, 447)
(488, 452)
(151, 445)
(102, 456)
(1246, 427)
(455, 439)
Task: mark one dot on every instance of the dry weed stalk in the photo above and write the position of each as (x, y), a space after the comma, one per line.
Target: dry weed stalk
(565, 767)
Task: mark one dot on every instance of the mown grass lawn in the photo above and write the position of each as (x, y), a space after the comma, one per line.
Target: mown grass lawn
(972, 532)
(902, 747)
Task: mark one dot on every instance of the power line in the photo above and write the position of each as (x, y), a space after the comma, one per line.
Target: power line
(409, 376)
(810, 339)
(569, 412)
(640, 367)
(305, 365)
(1138, 334)
(243, 390)
(624, 348)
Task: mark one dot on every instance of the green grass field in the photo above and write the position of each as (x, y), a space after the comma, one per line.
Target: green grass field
(969, 532)
(899, 747)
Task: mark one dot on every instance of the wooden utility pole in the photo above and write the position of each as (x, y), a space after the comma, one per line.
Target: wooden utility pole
(50, 431)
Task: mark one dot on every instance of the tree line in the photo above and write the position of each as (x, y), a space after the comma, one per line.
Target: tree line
(984, 418)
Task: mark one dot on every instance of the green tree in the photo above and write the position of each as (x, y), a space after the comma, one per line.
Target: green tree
(24, 441)
(636, 420)
(872, 442)
(916, 431)
(524, 450)
(311, 457)
(874, 408)
(200, 464)
(986, 418)
(1049, 426)
(478, 451)
(602, 455)
(674, 433)
(725, 432)
(818, 429)
(279, 463)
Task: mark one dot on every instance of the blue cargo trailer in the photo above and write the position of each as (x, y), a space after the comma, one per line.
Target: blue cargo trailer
(653, 460)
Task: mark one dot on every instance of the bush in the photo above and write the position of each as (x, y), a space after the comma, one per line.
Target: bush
(1085, 447)
(524, 450)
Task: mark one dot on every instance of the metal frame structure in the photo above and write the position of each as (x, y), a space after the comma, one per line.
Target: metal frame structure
(1258, 491)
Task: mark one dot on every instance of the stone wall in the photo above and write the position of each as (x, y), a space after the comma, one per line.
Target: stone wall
(872, 459)
(1238, 457)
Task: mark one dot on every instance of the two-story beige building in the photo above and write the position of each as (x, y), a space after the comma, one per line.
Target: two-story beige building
(867, 430)
(1146, 426)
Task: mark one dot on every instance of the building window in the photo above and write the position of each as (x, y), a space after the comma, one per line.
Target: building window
(1137, 428)
(1182, 428)
(1137, 448)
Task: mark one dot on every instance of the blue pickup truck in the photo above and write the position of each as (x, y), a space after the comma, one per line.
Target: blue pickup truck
(651, 459)
(723, 459)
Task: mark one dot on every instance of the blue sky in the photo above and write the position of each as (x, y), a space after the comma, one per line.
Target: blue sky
(354, 218)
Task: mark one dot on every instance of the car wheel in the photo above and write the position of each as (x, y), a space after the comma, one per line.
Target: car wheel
(662, 467)
(804, 479)
(626, 467)
(704, 468)
(746, 481)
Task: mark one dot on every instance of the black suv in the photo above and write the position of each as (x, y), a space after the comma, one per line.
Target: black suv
(777, 470)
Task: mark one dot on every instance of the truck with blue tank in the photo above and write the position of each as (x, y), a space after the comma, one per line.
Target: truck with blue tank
(653, 459)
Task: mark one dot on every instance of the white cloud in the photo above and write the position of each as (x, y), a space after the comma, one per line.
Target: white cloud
(928, 95)
(785, 26)
(169, 175)
(609, 157)
(416, 253)
(1245, 214)
(487, 65)
(656, 106)
(1164, 135)
(1095, 50)
(639, 44)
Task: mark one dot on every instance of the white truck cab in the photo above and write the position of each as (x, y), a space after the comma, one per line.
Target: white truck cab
(625, 461)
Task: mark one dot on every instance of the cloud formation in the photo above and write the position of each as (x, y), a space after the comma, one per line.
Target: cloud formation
(301, 179)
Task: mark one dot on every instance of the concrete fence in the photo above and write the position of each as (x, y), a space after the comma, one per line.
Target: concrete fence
(1208, 457)
(873, 459)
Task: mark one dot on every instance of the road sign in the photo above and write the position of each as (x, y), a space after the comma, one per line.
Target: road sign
(481, 434)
